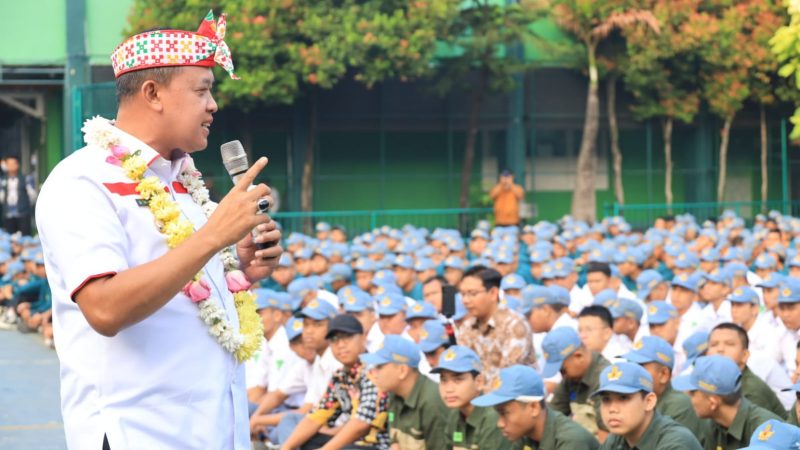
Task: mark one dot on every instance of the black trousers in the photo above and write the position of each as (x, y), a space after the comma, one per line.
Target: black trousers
(21, 224)
(105, 443)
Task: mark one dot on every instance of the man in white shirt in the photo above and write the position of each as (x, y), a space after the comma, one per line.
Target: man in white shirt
(596, 329)
(762, 335)
(628, 326)
(139, 368)
(713, 291)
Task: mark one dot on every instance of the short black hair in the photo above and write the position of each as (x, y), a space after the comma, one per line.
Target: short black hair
(438, 278)
(489, 277)
(732, 398)
(733, 327)
(557, 308)
(599, 311)
(596, 266)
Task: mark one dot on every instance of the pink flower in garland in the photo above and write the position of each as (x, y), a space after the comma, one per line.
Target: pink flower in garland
(237, 281)
(197, 290)
(114, 161)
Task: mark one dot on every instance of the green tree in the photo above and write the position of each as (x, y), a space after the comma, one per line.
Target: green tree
(591, 22)
(480, 38)
(661, 73)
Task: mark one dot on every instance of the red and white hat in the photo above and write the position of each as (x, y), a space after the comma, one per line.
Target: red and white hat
(172, 48)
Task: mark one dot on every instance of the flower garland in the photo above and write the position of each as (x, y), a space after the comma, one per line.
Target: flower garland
(245, 341)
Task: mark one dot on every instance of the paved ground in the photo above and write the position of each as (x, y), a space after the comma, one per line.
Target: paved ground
(30, 416)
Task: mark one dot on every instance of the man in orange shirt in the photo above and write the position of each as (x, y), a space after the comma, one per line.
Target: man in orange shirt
(506, 196)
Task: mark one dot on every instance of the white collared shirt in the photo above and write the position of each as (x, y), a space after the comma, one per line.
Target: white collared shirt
(164, 382)
(763, 336)
(320, 374)
(291, 378)
(714, 317)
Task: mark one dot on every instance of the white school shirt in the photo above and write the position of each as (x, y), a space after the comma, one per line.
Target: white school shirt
(256, 368)
(164, 382)
(714, 317)
(290, 378)
(320, 375)
(763, 338)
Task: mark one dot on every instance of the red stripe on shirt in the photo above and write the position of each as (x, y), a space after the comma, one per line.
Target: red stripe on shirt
(87, 280)
(130, 188)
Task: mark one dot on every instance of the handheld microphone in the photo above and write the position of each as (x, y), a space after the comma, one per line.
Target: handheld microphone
(234, 158)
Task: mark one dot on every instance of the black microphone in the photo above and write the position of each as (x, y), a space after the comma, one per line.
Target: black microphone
(234, 158)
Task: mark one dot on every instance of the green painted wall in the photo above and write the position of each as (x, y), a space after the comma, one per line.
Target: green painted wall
(54, 129)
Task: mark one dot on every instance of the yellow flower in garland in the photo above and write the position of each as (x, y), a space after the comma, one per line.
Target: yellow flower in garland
(177, 231)
(163, 208)
(250, 324)
(150, 187)
(134, 167)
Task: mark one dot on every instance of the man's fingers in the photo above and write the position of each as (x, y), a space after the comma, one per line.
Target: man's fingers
(252, 172)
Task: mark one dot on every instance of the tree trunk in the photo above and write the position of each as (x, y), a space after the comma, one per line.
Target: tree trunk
(667, 134)
(472, 134)
(764, 175)
(583, 196)
(723, 157)
(307, 193)
(611, 86)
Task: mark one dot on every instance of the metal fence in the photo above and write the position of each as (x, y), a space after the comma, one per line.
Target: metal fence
(356, 222)
(643, 215)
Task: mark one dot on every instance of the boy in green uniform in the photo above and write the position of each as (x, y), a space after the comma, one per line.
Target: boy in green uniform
(628, 407)
(580, 368)
(731, 340)
(469, 427)
(416, 412)
(716, 393)
(524, 418)
(657, 357)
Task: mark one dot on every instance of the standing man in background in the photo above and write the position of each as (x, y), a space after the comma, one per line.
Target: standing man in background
(506, 196)
(17, 195)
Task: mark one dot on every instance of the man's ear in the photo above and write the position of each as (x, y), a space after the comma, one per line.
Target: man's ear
(650, 401)
(151, 93)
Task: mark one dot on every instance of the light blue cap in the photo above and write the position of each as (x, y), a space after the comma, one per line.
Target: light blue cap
(789, 291)
(794, 261)
(652, 349)
(659, 312)
(390, 304)
(560, 295)
(387, 288)
(432, 336)
(424, 264)
(743, 294)
(458, 359)
(364, 265)
(355, 300)
(294, 328)
(513, 383)
(647, 281)
(421, 310)
(395, 349)
(303, 253)
(624, 378)
(686, 260)
(479, 234)
(512, 281)
(562, 267)
(339, 272)
(300, 287)
(323, 227)
(772, 280)
(709, 255)
(404, 261)
(455, 262)
(318, 310)
(715, 374)
(538, 256)
(267, 298)
(687, 281)
(626, 307)
(695, 346)
(537, 295)
(765, 261)
(606, 297)
(384, 277)
(286, 260)
(557, 346)
(775, 435)
(735, 270)
(717, 276)
(504, 257)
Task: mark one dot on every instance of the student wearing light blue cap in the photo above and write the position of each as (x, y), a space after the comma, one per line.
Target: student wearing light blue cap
(762, 334)
(716, 392)
(628, 408)
(416, 414)
(512, 285)
(657, 357)
(714, 291)
(364, 270)
(650, 285)
(416, 316)
(338, 276)
(405, 277)
(283, 274)
(524, 417)
(433, 340)
(454, 268)
(391, 310)
(775, 435)
(468, 426)
(789, 311)
(627, 315)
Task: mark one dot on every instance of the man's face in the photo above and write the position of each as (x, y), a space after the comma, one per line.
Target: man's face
(712, 291)
(661, 376)
(12, 166)
(594, 332)
(790, 315)
(574, 367)
(477, 245)
(271, 319)
(432, 293)
(433, 356)
(477, 300)
(542, 318)
(770, 297)
(393, 324)
(404, 276)
(702, 404)
(364, 279)
(187, 106)
(667, 331)
(303, 266)
(659, 292)
(743, 313)
(453, 275)
(283, 275)
(319, 264)
(623, 414)
(386, 376)
(728, 343)
(347, 347)
(314, 334)
(457, 389)
(597, 281)
(516, 419)
(682, 298)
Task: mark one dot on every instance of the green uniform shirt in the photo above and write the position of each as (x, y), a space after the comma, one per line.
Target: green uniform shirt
(791, 416)
(478, 431)
(416, 423)
(568, 393)
(747, 419)
(663, 433)
(755, 390)
(678, 406)
(560, 433)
